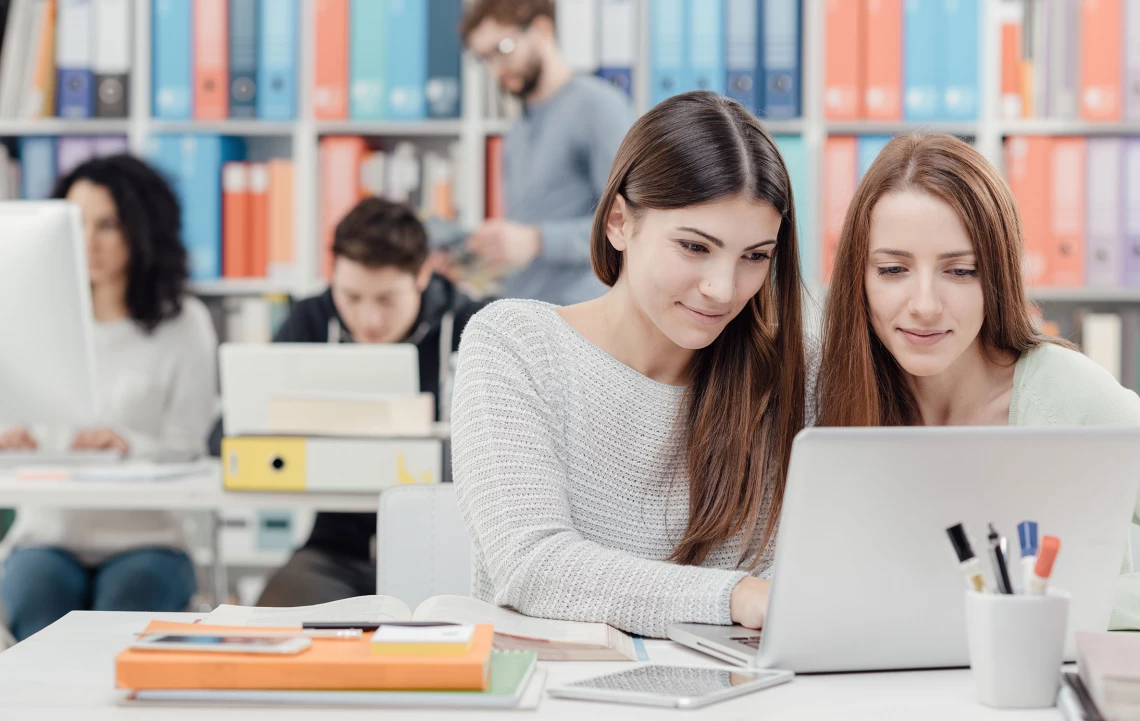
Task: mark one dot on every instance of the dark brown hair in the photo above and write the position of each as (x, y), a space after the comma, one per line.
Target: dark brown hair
(507, 12)
(745, 398)
(378, 233)
(861, 384)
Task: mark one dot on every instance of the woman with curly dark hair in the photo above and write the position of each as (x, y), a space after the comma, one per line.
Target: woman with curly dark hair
(156, 362)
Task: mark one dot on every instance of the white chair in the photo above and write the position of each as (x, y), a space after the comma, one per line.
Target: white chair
(422, 547)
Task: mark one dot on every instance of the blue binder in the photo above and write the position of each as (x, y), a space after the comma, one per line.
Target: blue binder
(444, 85)
(744, 81)
(923, 58)
(243, 58)
(869, 147)
(706, 45)
(782, 58)
(37, 163)
(667, 48)
(367, 81)
(194, 164)
(277, 51)
(75, 79)
(960, 29)
(407, 48)
(172, 80)
(794, 152)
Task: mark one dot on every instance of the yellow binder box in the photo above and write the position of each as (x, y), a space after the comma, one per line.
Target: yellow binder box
(334, 465)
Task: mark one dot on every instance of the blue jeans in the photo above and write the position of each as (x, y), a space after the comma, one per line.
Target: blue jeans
(41, 585)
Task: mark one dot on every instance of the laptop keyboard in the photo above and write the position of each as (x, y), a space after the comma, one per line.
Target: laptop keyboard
(750, 641)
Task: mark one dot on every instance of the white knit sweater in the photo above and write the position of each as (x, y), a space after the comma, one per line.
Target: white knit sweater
(572, 480)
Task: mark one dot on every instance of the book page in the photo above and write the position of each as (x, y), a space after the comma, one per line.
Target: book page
(461, 609)
(361, 608)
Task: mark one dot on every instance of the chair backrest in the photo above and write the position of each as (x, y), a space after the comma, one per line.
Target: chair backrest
(422, 547)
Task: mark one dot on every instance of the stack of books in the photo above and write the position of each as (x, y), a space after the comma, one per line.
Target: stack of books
(1107, 685)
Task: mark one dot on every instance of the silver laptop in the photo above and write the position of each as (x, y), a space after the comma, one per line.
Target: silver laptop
(865, 577)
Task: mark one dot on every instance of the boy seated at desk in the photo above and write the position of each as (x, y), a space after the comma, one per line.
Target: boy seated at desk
(382, 291)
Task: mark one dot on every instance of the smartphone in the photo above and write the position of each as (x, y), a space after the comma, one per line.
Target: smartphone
(230, 643)
(672, 686)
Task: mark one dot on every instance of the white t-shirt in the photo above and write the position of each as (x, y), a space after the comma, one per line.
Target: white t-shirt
(159, 393)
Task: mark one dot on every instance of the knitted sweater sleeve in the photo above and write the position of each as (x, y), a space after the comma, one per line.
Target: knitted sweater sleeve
(512, 489)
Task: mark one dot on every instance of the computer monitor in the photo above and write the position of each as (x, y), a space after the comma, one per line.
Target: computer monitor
(47, 366)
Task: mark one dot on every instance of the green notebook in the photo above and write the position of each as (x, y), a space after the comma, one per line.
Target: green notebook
(511, 672)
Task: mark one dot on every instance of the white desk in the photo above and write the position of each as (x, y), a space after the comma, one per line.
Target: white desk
(201, 492)
(67, 672)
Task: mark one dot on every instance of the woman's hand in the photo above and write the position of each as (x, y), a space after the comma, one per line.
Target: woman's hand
(17, 439)
(749, 603)
(99, 439)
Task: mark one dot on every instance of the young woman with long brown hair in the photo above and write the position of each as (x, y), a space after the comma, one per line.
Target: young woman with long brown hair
(623, 460)
(927, 322)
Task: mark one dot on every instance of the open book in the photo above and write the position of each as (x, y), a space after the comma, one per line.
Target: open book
(551, 640)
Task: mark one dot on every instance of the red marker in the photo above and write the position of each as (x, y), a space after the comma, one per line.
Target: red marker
(1039, 579)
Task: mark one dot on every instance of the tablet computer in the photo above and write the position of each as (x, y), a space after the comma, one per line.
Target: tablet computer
(672, 686)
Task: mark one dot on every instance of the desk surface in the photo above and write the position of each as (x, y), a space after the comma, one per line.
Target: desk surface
(67, 671)
(203, 491)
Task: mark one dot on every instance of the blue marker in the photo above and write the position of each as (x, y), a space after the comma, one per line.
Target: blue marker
(1027, 534)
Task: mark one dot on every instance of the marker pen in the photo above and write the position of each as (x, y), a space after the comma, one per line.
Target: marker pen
(997, 556)
(968, 562)
(1039, 581)
(1027, 535)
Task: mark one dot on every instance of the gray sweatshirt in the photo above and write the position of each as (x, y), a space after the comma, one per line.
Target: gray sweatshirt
(556, 160)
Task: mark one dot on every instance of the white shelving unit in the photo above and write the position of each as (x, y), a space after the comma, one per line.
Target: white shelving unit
(299, 139)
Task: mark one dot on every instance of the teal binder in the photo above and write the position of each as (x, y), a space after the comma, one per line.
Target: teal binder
(367, 59)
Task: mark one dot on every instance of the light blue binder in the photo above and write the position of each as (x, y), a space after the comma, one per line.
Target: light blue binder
(407, 49)
(172, 81)
(367, 74)
(37, 167)
(783, 76)
(744, 29)
(869, 147)
(277, 49)
(667, 48)
(794, 152)
(923, 60)
(960, 96)
(706, 69)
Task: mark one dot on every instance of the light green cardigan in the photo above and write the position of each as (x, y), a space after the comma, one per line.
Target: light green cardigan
(1055, 386)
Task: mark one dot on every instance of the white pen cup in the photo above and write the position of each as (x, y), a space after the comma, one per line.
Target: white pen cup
(1017, 644)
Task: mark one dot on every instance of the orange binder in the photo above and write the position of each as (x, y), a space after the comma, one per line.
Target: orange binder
(840, 155)
(495, 206)
(1067, 210)
(843, 67)
(280, 217)
(330, 89)
(258, 220)
(43, 89)
(1028, 160)
(329, 664)
(884, 62)
(1011, 105)
(340, 159)
(211, 59)
(1102, 59)
(235, 220)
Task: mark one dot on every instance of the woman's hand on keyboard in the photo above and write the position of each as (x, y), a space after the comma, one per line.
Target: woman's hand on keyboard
(99, 439)
(17, 439)
(749, 602)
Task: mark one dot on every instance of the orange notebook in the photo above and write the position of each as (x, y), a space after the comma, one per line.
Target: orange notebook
(840, 155)
(43, 90)
(1011, 105)
(330, 664)
(1067, 205)
(280, 218)
(258, 220)
(211, 59)
(843, 66)
(235, 221)
(340, 159)
(330, 89)
(884, 63)
(1102, 59)
(496, 207)
(1028, 160)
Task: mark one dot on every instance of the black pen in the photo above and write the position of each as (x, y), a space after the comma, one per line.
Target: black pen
(997, 555)
(370, 625)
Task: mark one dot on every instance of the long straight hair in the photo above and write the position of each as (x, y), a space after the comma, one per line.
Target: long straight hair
(745, 397)
(861, 383)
